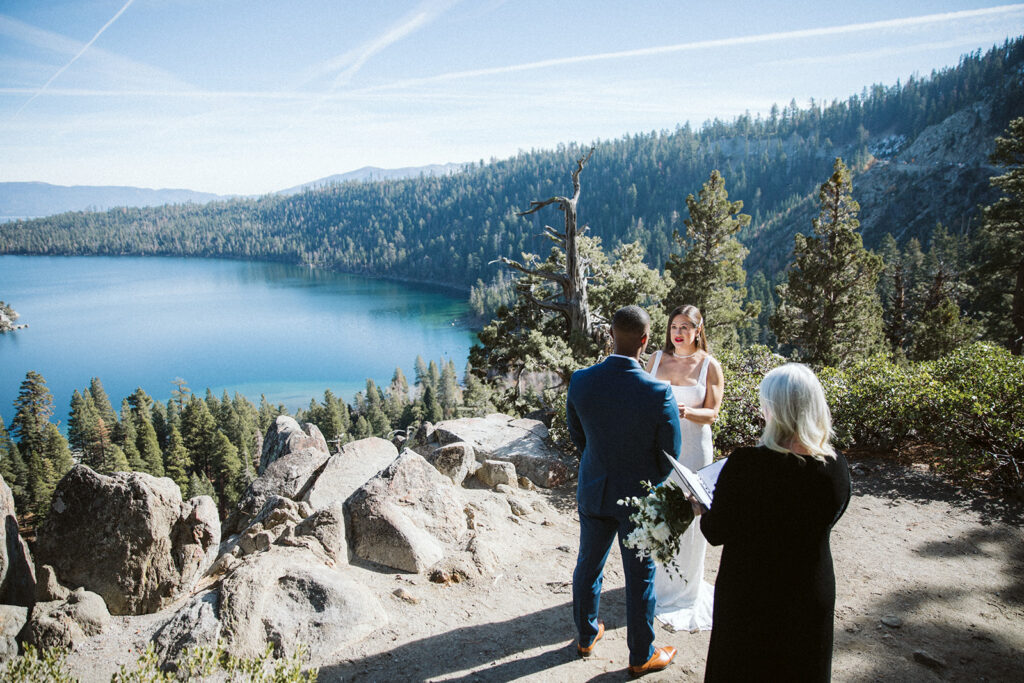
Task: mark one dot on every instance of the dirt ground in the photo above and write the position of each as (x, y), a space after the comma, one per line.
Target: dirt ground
(930, 587)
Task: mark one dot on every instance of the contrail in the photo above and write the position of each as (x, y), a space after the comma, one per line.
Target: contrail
(75, 58)
(710, 44)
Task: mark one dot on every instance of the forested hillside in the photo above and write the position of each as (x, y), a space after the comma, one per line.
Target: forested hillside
(918, 151)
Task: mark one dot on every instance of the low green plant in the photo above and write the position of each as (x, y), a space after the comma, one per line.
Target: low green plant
(39, 666)
(207, 663)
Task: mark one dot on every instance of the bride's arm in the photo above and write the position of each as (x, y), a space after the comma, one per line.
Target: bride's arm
(708, 413)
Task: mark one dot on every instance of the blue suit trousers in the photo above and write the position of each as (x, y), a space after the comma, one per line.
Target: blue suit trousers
(596, 536)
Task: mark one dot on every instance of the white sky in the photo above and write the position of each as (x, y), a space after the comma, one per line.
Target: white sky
(252, 96)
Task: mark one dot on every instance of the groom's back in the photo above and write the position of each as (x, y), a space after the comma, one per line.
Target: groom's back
(621, 419)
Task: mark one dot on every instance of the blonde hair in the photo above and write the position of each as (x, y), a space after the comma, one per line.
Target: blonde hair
(691, 313)
(795, 410)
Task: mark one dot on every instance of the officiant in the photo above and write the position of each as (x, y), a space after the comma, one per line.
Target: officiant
(773, 510)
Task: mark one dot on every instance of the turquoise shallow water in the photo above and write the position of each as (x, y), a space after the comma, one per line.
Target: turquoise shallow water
(284, 331)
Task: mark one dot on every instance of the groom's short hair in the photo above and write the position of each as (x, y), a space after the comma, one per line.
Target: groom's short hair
(631, 321)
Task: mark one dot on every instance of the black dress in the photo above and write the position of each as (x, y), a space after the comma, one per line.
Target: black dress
(776, 590)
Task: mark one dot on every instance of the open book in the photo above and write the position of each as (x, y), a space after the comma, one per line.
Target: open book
(700, 484)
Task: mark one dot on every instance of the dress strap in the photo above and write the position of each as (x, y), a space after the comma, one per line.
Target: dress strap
(657, 362)
(703, 378)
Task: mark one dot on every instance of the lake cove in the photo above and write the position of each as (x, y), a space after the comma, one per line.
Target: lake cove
(285, 331)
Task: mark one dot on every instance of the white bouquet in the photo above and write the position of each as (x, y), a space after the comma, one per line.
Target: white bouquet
(661, 517)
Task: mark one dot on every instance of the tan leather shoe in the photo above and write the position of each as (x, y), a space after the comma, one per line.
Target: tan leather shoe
(661, 658)
(589, 650)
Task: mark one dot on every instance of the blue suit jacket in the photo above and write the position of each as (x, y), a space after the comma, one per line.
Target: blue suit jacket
(621, 419)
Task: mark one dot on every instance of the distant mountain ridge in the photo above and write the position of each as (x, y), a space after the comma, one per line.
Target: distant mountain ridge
(27, 200)
(373, 173)
(35, 199)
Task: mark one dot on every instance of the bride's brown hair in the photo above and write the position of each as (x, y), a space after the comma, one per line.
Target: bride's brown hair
(691, 313)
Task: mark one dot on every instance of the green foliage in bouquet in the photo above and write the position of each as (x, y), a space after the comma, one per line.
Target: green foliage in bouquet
(661, 517)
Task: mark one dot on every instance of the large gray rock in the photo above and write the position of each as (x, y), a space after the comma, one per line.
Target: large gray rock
(195, 624)
(66, 623)
(48, 588)
(12, 619)
(521, 442)
(497, 473)
(346, 471)
(403, 517)
(327, 528)
(17, 572)
(286, 436)
(289, 476)
(455, 461)
(286, 597)
(128, 537)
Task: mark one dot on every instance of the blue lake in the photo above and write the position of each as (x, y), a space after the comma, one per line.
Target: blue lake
(257, 328)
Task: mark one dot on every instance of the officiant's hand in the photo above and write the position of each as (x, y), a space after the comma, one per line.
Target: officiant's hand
(698, 509)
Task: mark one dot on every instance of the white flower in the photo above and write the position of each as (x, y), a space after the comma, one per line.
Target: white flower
(661, 532)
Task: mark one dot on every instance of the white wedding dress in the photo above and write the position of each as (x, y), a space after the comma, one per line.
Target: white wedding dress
(685, 603)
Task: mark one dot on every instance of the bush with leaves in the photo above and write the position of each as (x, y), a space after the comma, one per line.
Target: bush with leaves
(34, 666)
(208, 663)
(739, 418)
(975, 415)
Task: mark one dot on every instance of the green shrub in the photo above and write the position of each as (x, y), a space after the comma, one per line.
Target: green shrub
(739, 420)
(48, 666)
(976, 414)
(967, 406)
(198, 664)
(878, 403)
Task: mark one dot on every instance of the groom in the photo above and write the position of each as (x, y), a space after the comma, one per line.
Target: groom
(621, 419)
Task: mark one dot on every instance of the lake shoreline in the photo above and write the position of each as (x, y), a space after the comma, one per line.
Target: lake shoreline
(256, 327)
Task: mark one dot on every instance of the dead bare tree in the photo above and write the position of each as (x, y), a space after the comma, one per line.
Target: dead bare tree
(571, 301)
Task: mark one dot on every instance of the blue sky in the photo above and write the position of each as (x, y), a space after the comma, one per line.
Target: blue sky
(253, 96)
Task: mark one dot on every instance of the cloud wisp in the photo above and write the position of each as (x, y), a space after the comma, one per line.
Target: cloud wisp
(76, 57)
(826, 31)
(347, 65)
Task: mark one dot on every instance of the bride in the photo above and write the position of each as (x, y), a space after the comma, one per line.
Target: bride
(686, 603)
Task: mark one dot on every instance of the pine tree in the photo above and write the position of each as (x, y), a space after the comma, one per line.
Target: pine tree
(200, 485)
(33, 409)
(449, 395)
(146, 442)
(176, 460)
(477, 396)
(102, 402)
(12, 467)
(829, 307)
(397, 397)
(709, 274)
(54, 464)
(432, 411)
(361, 429)
(116, 462)
(422, 373)
(199, 434)
(622, 280)
(99, 452)
(374, 410)
(1002, 241)
(229, 481)
(180, 394)
(161, 423)
(127, 438)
